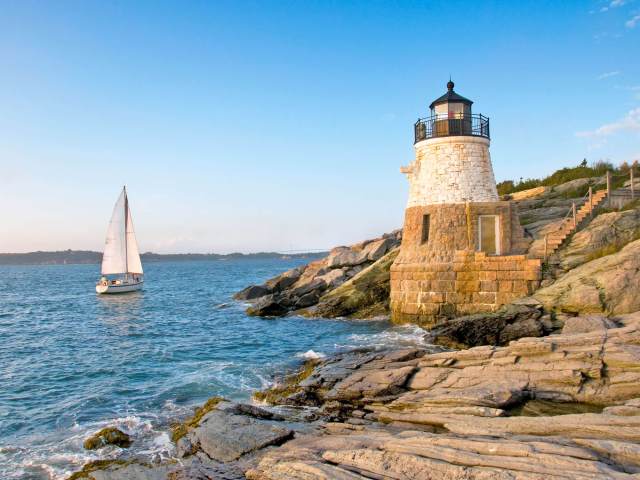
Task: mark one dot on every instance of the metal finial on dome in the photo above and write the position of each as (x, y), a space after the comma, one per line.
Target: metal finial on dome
(450, 85)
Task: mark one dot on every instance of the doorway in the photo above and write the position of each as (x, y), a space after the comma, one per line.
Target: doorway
(489, 234)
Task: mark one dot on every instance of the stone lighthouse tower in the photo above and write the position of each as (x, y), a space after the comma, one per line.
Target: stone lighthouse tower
(462, 249)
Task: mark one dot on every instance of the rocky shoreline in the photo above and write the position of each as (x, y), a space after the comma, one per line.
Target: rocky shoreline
(349, 282)
(558, 407)
(548, 387)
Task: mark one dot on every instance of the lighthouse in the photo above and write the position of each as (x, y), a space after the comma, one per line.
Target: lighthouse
(463, 249)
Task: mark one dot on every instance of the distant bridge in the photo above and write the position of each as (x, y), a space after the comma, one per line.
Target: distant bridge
(305, 250)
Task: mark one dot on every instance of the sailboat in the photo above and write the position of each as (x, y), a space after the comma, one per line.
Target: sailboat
(121, 266)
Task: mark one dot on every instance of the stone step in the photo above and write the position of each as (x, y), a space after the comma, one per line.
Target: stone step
(557, 238)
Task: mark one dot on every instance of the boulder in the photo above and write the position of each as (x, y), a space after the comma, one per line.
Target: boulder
(307, 300)
(599, 286)
(249, 410)
(530, 193)
(366, 295)
(511, 322)
(333, 278)
(345, 257)
(252, 292)
(107, 436)
(317, 285)
(302, 287)
(226, 436)
(267, 306)
(577, 184)
(371, 383)
(121, 470)
(588, 323)
(284, 281)
(376, 249)
(605, 234)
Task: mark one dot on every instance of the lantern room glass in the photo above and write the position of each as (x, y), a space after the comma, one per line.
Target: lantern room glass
(451, 118)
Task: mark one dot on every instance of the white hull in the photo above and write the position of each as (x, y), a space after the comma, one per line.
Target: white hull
(118, 288)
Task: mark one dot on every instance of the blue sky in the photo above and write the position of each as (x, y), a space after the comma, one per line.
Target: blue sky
(248, 126)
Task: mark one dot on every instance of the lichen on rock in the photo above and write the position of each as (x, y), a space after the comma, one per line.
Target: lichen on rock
(319, 282)
(287, 387)
(605, 285)
(179, 430)
(107, 436)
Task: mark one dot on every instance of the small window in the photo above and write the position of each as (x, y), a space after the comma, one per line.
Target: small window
(425, 228)
(489, 234)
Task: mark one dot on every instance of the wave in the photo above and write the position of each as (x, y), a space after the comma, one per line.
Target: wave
(403, 335)
(57, 457)
(311, 355)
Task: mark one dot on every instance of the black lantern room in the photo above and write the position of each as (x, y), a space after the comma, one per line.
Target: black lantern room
(451, 105)
(451, 116)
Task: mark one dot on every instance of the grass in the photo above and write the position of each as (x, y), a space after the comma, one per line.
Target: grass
(180, 430)
(578, 192)
(289, 386)
(564, 175)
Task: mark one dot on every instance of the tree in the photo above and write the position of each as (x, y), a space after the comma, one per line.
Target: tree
(583, 163)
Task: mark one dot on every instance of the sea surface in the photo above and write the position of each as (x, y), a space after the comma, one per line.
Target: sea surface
(72, 362)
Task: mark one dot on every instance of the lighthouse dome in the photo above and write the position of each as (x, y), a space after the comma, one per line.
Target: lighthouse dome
(451, 97)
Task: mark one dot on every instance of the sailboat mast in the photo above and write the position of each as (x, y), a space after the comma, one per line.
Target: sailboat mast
(126, 228)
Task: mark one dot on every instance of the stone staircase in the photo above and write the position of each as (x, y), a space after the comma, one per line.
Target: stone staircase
(569, 224)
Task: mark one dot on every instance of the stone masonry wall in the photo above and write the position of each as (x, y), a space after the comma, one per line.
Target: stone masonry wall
(426, 293)
(445, 277)
(451, 170)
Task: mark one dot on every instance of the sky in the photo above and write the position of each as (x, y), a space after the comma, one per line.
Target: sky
(281, 126)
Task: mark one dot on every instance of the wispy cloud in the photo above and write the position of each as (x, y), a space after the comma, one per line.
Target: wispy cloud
(632, 22)
(603, 35)
(613, 4)
(630, 122)
(607, 75)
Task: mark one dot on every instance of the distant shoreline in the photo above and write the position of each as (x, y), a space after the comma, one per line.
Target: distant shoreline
(80, 257)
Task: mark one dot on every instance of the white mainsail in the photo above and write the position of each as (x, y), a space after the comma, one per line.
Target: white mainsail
(121, 253)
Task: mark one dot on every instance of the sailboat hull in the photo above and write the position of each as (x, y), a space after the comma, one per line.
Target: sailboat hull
(118, 288)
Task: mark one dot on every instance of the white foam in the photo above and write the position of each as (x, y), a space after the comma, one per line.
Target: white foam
(403, 335)
(311, 355)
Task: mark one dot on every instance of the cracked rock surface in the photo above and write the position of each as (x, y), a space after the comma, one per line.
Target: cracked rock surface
(564, 406)
(607, 285)
(452, 419)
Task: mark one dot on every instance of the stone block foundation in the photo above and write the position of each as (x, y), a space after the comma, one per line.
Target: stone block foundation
(471, 282)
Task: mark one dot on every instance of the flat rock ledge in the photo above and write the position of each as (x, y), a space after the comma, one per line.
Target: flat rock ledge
(415, 414)
(564, 406)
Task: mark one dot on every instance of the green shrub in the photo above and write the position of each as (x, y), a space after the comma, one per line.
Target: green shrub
(576, 192)
(564, 175)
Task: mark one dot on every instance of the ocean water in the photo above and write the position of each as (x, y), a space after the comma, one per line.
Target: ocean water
(72, 362)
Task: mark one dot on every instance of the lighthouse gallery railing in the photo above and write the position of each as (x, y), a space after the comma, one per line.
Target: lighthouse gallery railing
(450, 125)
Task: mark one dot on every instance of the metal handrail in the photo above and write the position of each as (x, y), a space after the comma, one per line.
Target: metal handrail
(572, 212)
(476, 125)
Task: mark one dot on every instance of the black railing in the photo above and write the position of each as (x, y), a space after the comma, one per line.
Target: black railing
(445, 126)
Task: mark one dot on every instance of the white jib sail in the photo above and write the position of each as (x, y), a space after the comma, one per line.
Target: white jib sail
(121, 249)
(133, 255)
